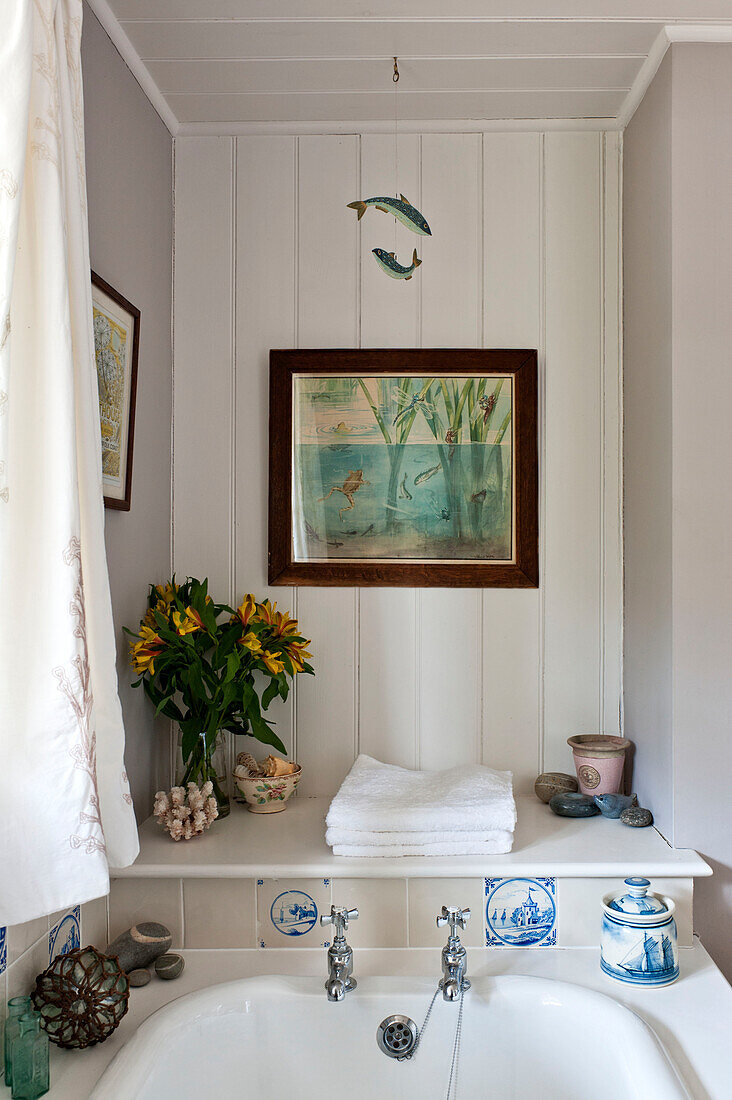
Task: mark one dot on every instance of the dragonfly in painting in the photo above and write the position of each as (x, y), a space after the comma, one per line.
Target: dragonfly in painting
(484, 407)
(412, 402)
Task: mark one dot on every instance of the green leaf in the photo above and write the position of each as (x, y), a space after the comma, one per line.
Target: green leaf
(270, 692)
(232, 667)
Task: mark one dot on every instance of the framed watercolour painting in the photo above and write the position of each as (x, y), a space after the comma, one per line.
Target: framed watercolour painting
(116, 346)
(413, 467)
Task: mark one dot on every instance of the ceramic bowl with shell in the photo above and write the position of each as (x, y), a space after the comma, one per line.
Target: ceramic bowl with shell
(267, 794)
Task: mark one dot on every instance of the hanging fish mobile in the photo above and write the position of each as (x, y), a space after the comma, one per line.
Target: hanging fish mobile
(409, 216)
(401, 209)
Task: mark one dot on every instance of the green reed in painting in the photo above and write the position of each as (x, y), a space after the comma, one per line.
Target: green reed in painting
(403, 467)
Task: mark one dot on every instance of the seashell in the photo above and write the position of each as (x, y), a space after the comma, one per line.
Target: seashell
(247, 765)
(273, 766)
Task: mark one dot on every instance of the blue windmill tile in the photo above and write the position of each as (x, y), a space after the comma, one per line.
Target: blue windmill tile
(65, 935)
(520, 912)
(288, 911)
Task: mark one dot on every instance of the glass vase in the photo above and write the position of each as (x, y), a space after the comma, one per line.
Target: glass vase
(207, 761)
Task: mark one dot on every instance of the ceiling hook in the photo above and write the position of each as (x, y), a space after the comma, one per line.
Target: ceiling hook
(395, 77)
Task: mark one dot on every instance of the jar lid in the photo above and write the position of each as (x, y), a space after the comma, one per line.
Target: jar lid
(637, 901)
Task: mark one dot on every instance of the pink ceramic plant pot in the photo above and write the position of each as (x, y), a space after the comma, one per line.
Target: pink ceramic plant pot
(599, 759)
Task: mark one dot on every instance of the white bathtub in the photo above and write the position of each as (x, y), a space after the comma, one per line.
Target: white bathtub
(275, 1037)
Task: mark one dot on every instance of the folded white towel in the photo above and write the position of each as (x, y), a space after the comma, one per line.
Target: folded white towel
(367, 837)
(501, 843)
(385, 798)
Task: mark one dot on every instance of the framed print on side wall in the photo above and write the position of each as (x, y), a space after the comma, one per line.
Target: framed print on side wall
(414, 467)
(116, 347)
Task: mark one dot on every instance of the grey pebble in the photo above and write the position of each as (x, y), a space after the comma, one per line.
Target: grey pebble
(637, 817)
(139, 977)
(169, 967)
(573, 805)
(140, 945)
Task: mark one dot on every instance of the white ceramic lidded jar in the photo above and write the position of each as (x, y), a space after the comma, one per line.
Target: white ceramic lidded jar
(638, 943)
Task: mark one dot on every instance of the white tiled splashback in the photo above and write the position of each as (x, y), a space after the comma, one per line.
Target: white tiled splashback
(267, 913)
(27, 949)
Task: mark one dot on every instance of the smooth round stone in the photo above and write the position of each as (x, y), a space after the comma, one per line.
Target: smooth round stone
(572, 804)
(638, 817)
(169, 967)
(551, 783)
(140, 945)
(139, 977)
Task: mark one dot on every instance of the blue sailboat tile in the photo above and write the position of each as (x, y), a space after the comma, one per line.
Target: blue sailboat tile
(520, 912)
(65, 935)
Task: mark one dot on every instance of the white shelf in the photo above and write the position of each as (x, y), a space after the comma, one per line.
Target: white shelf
(292, 844)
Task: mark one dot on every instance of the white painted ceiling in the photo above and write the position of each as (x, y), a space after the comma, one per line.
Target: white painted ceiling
(219, 65)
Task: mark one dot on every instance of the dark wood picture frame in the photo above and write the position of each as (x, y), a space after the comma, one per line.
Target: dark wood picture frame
(522, 572)
(123, 504)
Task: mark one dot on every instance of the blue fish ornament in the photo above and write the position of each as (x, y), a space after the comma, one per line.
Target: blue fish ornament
(388, 262)
(400, 208)
(612, 805)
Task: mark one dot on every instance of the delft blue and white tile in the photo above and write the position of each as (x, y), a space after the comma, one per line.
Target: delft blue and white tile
(520, 912)
(289, 911)
(65, 936)
(3, 949)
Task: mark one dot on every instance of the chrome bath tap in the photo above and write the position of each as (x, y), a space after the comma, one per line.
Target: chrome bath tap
(340, 956)
(454, 957)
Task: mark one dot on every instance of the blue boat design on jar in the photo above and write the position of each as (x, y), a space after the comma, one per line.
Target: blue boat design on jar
(638, 943)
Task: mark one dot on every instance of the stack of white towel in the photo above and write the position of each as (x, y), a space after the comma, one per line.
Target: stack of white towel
(382, 810)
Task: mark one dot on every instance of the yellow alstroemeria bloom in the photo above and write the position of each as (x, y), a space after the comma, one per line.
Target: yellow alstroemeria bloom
(166, 595)
(283, 626)
(273, 662)
(144, 652)
(251, 642)
(186, 623)
(298, 654)
(265, 611)
(246, 609)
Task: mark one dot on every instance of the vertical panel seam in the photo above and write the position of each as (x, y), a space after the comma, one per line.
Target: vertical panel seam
(296, 334)
(602, 288)
(357, 591)
(620, 611)
(480, 678)
(171, 738)
(418, 591)
(232, 380)
(542, 450)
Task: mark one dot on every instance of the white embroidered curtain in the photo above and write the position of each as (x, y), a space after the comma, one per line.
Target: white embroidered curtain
(66, 809)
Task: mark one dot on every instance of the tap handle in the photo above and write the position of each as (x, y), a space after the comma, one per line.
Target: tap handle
(339, 917)
(455, 917)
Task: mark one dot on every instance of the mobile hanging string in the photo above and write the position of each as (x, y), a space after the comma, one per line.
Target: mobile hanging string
(395, 78)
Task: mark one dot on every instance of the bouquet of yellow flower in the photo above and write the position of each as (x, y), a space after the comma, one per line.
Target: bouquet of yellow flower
(198, 663)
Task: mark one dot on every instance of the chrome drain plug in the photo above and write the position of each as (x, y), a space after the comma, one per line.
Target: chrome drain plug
(397, 1036)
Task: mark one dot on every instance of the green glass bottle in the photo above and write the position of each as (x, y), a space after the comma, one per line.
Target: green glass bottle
(29, 1057)
(17, 1006)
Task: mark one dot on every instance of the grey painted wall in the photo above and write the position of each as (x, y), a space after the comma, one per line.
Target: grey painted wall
(678, 452)
(129, 178)
(647, 444)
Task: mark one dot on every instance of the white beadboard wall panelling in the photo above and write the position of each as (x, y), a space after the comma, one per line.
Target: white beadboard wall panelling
(328, 316)
(266, 188)
(220, 37)
(388, 679)
(611, 670)
(202, 400)
(524, 253)
(573, 441)
(450, 626)
(512, 318)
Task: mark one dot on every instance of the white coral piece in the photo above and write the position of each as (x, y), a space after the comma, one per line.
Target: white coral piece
(185, 814)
